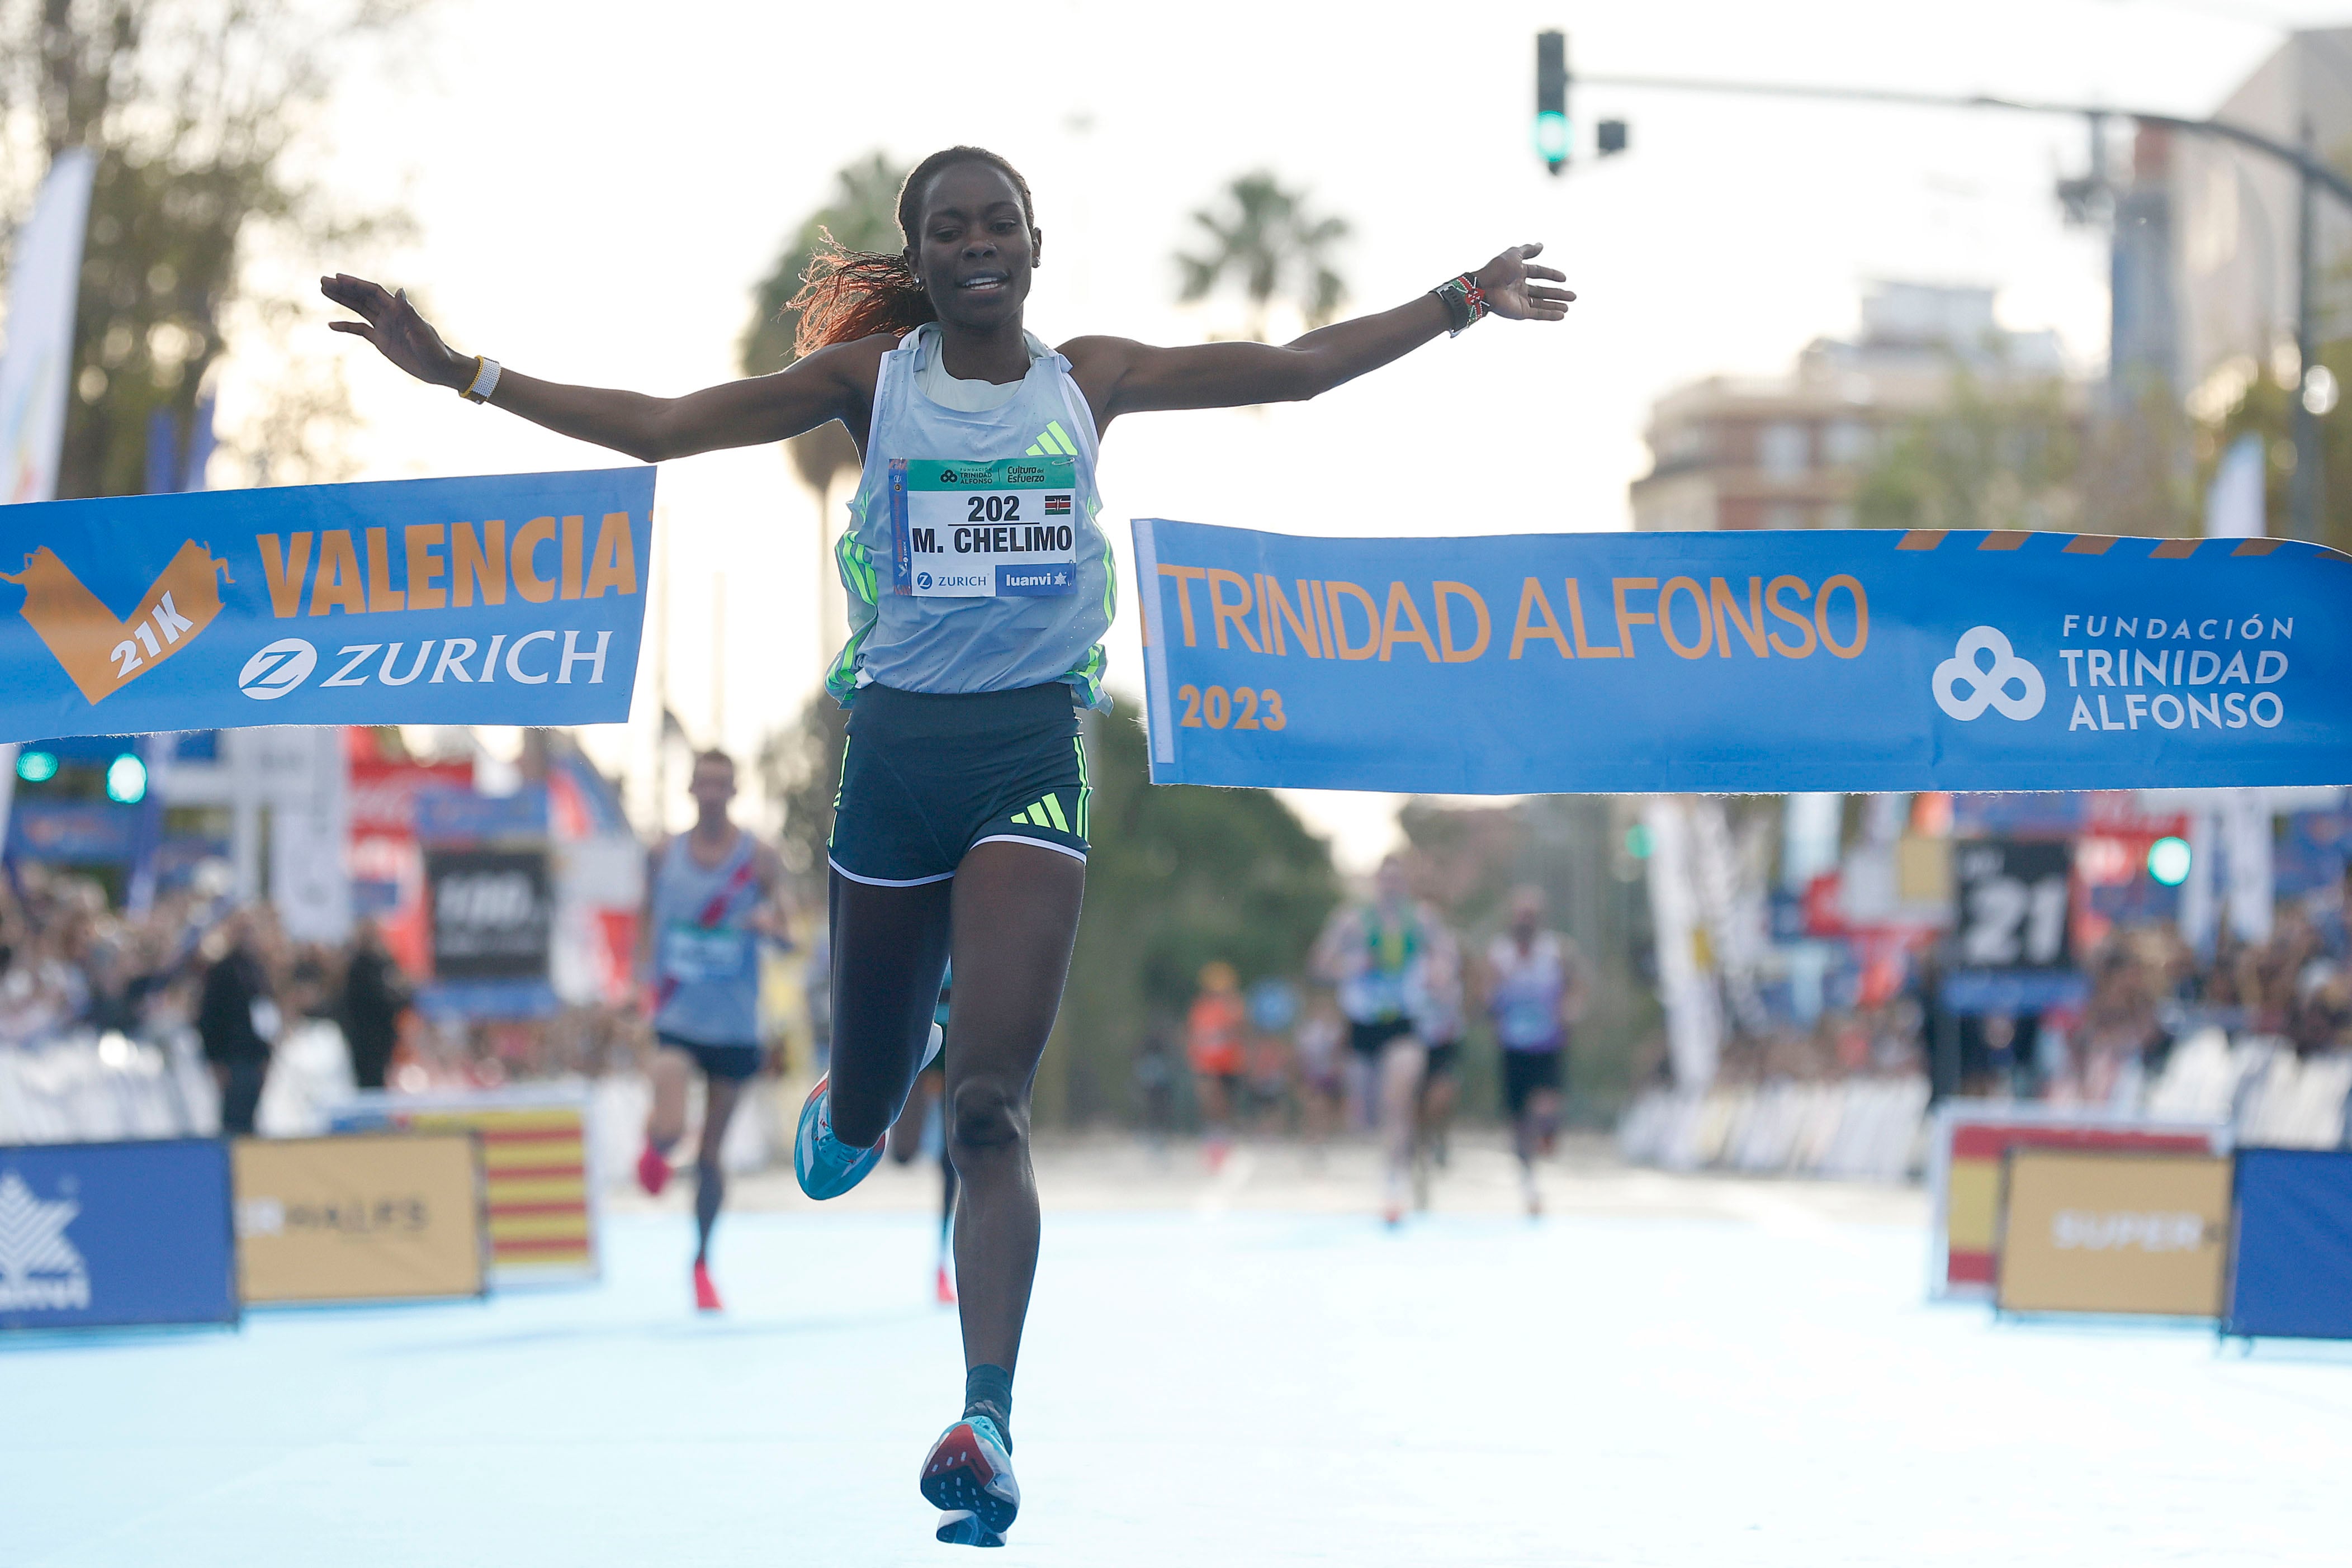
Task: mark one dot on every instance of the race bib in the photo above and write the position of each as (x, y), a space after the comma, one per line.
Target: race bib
(985, 530)
(693, 953)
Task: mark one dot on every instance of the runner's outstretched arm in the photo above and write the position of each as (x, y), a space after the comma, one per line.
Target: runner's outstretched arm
(1122, 376)
(752, 412)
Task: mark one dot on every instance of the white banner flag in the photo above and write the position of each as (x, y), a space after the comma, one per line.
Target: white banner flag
(43, 283)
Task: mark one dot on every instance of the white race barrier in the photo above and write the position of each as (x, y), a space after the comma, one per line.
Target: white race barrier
(1875, 1128)
(1860, 1128)
(91, 1088)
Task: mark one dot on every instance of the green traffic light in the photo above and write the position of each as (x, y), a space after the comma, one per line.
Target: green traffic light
(1637, 841)
(1551, 138)
(126, 780)
(2168, 860)
(37, 767)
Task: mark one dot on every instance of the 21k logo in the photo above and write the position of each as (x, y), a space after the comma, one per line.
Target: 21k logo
(101, 653)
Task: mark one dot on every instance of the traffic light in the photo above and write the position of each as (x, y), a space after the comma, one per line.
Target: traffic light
(126, 779)
(1552, 99)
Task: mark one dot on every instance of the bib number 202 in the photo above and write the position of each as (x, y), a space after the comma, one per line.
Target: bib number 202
(995, 508)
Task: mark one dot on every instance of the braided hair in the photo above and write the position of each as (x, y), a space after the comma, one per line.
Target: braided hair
(851, 294)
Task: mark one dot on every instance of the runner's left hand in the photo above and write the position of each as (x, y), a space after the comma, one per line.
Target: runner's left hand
(1513, 289)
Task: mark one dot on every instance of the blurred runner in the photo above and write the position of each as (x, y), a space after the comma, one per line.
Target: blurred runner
(912, 1132)
(1213, 1045)
(1273, 1009)
(1372, 952)
(1322, 1071)
(709, 898)
(1435, 1004)
(963, 807)
(1535, 995)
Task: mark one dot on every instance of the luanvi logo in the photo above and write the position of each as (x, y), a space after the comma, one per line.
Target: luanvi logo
(39, 1270)
(101, 653)
(1987, 684)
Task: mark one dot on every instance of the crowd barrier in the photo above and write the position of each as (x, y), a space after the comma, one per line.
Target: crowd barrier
(2103, 1231)
(85, 1087)
(134, 1231)
(2290, 1257)
(1967, 1146)
(538, 1158)
(369, 1217)
(1859, 1128)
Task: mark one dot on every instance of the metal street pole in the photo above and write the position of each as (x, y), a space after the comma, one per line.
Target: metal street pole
(2304, 495)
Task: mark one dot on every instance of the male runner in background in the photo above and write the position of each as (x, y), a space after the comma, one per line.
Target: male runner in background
(1535, 992)
(1373, 952)
(709, 899)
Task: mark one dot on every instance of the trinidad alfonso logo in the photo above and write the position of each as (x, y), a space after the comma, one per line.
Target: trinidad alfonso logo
(1988, 683)
(101, 653)
(39, 1270)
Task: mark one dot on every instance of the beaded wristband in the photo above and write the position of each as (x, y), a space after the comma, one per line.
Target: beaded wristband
(1464, 301)
(484, 382)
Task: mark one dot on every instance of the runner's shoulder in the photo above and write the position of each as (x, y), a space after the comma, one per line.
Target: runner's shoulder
(855, 362)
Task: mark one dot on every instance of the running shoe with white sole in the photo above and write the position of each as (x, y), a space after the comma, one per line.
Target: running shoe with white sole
(967, 1476)
(826, 1167)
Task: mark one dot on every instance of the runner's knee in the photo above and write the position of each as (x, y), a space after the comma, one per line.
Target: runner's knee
(988, 1114)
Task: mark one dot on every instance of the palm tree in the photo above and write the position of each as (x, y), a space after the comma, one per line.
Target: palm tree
(1267, 239)
(862, 215)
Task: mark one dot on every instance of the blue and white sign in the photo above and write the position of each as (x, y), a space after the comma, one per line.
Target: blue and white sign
(514, 599)
(1762, 662)
(93, 1234)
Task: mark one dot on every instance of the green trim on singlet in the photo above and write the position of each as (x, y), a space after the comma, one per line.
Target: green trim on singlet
(855, 563)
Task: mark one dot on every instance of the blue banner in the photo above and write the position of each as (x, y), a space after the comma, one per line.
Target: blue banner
(100, 1234)
(1749, 662)
(2291, 1259)
(512, 599)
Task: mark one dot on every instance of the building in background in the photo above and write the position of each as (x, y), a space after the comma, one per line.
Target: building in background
(1739, 453)
(2235, 214)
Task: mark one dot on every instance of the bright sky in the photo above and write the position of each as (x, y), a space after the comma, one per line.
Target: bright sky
(598, 186)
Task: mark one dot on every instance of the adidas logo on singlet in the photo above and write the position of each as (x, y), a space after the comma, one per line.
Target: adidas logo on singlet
(1053, 442)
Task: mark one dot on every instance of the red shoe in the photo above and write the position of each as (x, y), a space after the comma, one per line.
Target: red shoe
(943, 1288)
(706, 1294)
(653, 1171)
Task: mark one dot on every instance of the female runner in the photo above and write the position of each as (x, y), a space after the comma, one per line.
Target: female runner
(960, 822)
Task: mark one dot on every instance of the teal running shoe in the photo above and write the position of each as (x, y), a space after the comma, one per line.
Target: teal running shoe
(967, 1476)
(825, 1167)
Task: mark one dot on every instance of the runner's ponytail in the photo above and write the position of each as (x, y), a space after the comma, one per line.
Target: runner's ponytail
(851, 294)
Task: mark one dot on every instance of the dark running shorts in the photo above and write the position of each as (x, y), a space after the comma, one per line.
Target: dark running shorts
(1523, 1072)
(926, 775)
(1444, 1061)
(733, 1061)
(1372, 1039)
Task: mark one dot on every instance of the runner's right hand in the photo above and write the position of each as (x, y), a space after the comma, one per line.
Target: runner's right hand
(399, 334)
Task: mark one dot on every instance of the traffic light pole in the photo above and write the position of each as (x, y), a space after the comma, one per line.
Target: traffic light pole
(2314, 176)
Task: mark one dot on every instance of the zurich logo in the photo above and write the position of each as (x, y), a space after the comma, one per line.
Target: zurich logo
(1988, 686)
(922, 579)
(277, 669)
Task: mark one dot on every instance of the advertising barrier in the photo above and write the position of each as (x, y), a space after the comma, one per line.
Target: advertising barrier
(2095, 1231)
(360, 1217)
(2291, 1262)
(99, 1235)
(1748, 660)
(535, 1157)
(1964, 1155)
(515, 598)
